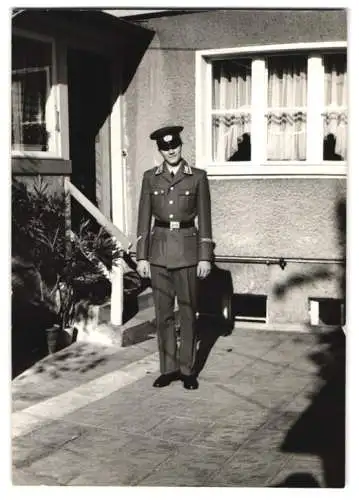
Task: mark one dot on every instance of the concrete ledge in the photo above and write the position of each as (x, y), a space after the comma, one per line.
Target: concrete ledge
(284, 327)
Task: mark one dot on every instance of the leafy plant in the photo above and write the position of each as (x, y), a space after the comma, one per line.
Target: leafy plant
(40, 237)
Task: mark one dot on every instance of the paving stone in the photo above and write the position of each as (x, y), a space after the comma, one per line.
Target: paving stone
(280, 390)
(302, 400)
(265, 438)
(256, 346)
(161, 403)
(222, 435)
(179, 429)
(104, 461)
(254, 377)
(130, 419)
(35, 388)
(215, 393)
(190, 466)
(23, 423)
(43, 441)
(19, 404)
(223, 366)
(227, 433)
(281, 420)
(22, 477)
(288, 351)
(123, 462)
(249, 469)
(61, 466)
(246, 419)
(306, 365)
(243, 390)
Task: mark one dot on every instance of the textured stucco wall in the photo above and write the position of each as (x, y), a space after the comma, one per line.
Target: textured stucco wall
(232, 28)
(267, 217)
(277, 217)
(293, 218)
(163, 89)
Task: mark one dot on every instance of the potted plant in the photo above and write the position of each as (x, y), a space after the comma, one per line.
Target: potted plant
(67, 268)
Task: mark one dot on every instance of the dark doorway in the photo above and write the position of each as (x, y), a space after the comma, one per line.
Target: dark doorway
(89, 79)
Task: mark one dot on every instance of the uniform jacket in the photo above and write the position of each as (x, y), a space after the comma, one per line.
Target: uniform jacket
(185, 197)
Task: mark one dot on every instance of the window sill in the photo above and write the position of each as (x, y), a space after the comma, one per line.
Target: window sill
(286, 169)
(34, 165)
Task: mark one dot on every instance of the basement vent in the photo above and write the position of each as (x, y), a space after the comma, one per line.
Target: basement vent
(249, 307)
(324, 311)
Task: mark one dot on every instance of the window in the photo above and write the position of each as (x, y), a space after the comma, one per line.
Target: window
(335, 111)
(287, 107)
(272, 110)
(33, 103)
(231, 112)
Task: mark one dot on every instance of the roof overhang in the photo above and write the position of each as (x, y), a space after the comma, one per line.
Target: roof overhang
(134, 12)
(90, 29)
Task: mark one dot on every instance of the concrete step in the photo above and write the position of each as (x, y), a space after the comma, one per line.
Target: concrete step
(139, 303)
(138, 322)
(145, 299)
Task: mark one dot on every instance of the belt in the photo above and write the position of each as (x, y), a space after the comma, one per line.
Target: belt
(174, 224)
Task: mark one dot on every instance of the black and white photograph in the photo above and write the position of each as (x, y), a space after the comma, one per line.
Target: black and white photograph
(178, 246)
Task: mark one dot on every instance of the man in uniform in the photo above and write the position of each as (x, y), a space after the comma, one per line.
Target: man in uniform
(174, 252)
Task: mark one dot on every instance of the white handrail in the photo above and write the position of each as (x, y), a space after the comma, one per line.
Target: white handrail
(98, 215)
(116, 276)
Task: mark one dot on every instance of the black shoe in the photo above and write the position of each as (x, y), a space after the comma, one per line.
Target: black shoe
(190, 382)
(165, 379)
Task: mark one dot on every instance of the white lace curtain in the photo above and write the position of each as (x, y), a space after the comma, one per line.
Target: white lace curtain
(16, 112)
(231, 91)
(287, 91)
(29, 91)
(336, 88)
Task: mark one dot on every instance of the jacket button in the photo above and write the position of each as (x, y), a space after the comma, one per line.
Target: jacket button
(171, 216)
(171, 202)
(171, 188)
(156, 192)
(187, 193)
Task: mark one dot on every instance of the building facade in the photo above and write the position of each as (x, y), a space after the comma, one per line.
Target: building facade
(262, 96)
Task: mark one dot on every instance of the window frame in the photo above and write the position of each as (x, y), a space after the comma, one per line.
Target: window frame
(56, 111)
(314, 165)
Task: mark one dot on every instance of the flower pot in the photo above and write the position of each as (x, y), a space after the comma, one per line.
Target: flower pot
(52, 337)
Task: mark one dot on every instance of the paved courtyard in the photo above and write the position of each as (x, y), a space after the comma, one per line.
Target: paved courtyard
(89, 415)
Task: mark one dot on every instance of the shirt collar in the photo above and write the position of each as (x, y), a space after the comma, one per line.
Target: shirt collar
(186, 168)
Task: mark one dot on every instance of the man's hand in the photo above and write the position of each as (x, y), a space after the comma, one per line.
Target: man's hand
(203, 268)
(143, 268)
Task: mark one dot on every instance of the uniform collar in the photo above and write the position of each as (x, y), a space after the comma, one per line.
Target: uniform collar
(184, 166)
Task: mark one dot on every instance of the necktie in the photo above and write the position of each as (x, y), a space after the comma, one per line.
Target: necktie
(172, 174)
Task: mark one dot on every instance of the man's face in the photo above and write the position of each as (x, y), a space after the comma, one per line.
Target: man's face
(172, 156)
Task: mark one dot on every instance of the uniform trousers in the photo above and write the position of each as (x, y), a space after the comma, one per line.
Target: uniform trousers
(166, 285)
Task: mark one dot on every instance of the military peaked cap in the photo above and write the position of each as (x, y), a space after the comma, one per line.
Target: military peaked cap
(167, 137)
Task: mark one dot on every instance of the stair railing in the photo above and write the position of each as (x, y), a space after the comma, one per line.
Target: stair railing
(122, 242)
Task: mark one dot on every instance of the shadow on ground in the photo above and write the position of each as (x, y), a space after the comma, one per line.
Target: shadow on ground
(299, 480)
(215, 317)
(31, 317)
(80, 358)
(320, 429)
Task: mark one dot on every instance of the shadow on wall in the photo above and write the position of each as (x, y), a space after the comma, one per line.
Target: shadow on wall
(302, 279)
(321, 273)
(320, 429)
